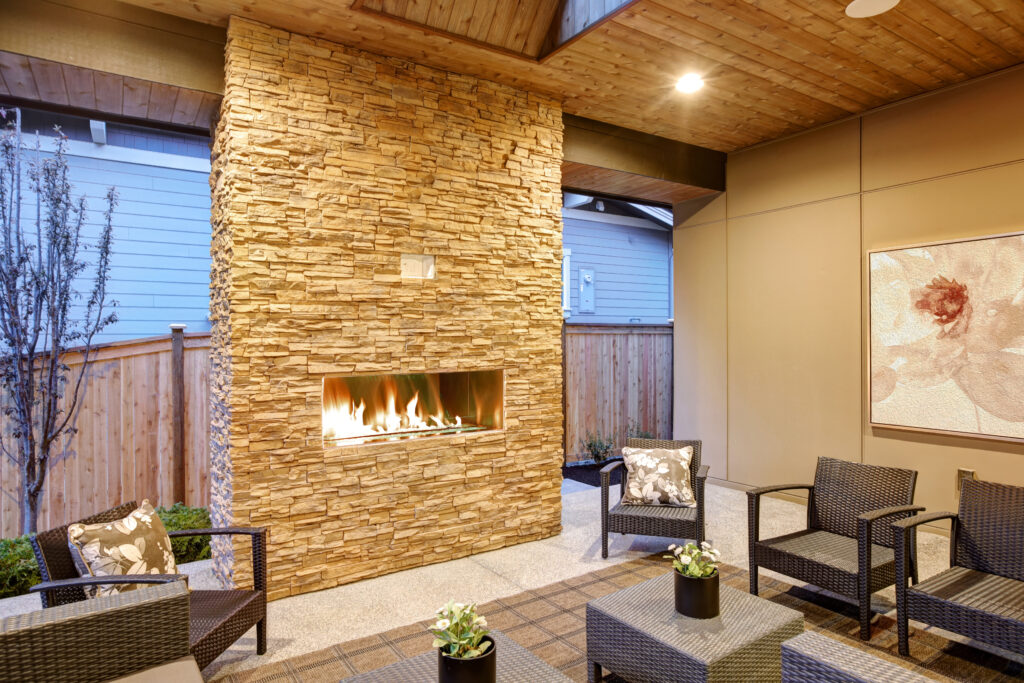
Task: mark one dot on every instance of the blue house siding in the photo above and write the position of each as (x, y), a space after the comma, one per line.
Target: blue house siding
(160, 266)
(630, 265)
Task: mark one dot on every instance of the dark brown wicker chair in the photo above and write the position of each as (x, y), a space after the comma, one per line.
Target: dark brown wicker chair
(98, 640)
(981, 595)
(218, 617)
(654, 520)
(840, 550)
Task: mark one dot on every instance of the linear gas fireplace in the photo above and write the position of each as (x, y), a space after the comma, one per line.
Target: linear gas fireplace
(365, 408)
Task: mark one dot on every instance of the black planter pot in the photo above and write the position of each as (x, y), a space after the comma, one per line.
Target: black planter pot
(697, 598)
(480, 669)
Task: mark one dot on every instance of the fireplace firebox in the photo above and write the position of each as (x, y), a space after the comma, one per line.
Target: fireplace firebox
(365, 408)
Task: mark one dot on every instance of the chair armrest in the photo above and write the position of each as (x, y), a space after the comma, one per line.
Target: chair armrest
(219, 531)
(917, 520)
(702, 471)
(761, 490)
(875, 515)
(107, 580)
(97, 639)
(257, 534)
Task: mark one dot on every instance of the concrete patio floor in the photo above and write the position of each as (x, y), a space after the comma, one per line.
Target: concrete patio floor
(317, 620)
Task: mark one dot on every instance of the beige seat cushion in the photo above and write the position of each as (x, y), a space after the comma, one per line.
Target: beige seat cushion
(658, 476)
(183, 670)
(136, 544)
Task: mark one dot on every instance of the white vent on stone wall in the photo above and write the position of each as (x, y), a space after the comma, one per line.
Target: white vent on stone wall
(418, 266)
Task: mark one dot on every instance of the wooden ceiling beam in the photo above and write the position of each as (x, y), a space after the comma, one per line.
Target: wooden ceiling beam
(601, 145)
(576, 18)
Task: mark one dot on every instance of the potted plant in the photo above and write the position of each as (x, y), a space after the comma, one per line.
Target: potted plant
(465, 653)
(696, 575)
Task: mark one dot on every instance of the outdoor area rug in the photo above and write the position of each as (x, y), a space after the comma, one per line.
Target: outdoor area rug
(550, 622)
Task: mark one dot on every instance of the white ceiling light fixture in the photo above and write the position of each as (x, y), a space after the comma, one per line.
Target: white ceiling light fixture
(690, 83)
(861, 9)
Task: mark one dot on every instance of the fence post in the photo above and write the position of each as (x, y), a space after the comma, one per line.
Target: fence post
(177, 413)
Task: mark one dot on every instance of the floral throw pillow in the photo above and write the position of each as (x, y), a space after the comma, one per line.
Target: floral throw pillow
(658, 476)
(137, 544)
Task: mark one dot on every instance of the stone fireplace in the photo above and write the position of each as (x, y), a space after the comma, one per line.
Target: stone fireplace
(385, 298)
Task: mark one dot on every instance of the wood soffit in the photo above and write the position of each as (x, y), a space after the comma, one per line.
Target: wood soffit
(30, 80)
(772, 67)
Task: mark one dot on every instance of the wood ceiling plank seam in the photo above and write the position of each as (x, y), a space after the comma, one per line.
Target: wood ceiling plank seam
(745, 59)
(828, 28)
(631, 185)
(109, 92)
(186, 106)
(4, 90)
(547, 10)
(1008, 11)
(207, 112)
(417, 11)
(925, 40)
(461, 17)
(748, 21)
(923, 68)
(993, 25)
(162, 98)
(724, 105)
(523, 19)
(81, 88)
(135, 97)
(651, 48)
(379, 5)
(501, 21)
(454, 42)
(562, 44)
(951, 29)
(18, 76)
(440, 13)
(49, 81)
(480, 23)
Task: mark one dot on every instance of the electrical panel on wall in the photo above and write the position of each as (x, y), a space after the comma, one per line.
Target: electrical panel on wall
(586, 290)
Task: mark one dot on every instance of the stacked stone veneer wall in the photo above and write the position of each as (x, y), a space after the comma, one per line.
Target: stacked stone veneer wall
(330, 163)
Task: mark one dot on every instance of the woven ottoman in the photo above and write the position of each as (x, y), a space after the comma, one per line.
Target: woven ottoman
(637, 634)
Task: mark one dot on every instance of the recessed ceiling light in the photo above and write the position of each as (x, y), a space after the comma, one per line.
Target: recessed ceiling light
(860, 9)
(690, 83)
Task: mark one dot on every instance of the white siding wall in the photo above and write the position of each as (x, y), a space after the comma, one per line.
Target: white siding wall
(631, 269)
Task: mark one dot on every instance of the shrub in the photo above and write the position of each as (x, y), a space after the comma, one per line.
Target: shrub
(634, 431)
(599, 447)
(179, 517)
(18, 568)
(19, 571)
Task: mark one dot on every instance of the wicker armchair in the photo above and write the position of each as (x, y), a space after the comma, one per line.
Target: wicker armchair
(842, 549)
(98, 640)
(218, 617)
(981, 595)
(654, 520)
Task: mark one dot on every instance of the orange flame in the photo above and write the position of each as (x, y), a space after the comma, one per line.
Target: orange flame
(344, 418)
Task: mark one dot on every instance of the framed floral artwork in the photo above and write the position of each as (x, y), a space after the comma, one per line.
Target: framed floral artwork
(947, 337)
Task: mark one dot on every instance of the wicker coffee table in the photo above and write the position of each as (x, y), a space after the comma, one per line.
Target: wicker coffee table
(637, 634)
(516, 664)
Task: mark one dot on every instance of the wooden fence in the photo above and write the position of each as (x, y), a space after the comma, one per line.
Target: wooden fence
(142, 433)
(128, 427)
(616, 375)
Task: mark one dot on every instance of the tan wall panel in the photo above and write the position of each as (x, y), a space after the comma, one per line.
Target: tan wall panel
(964, 205)
(818, 165)
(794, 341)
(116, 38)
(961, 129)
(700, 407)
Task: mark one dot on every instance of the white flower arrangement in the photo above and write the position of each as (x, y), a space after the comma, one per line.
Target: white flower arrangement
(693, 560)
(459, 631)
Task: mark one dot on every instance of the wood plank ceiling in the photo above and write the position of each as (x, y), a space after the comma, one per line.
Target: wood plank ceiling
(772, 67)
(31, 79)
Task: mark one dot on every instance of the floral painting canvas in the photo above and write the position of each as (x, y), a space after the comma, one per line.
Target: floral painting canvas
(947, 337)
